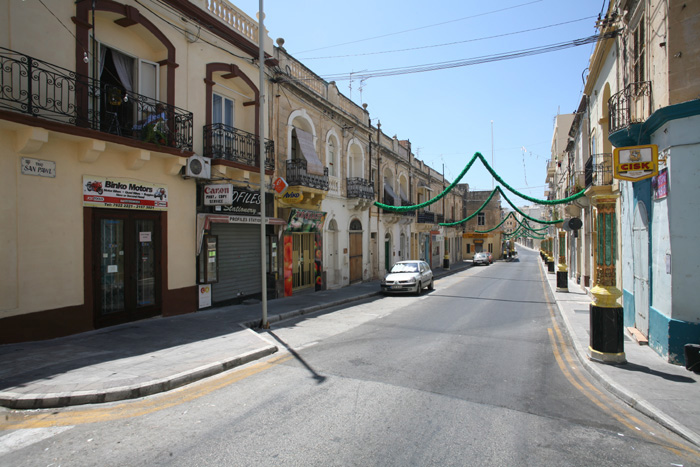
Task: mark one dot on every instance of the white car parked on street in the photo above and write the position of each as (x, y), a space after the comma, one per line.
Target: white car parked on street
(408, 276)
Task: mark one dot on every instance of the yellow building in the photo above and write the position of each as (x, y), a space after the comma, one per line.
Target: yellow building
(104, 106)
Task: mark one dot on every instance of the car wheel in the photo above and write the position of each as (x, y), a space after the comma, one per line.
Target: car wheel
(431, 286)
(419, 288)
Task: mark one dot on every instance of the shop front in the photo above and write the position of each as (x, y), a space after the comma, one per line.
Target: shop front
(303, 250)
(126, 247)
(229, 245)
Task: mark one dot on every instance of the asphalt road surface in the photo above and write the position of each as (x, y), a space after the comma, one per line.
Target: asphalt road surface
(476, 372)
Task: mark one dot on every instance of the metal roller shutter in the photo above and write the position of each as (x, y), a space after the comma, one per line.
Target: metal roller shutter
(239, 261)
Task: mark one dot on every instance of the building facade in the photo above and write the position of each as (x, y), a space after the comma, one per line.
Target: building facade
(642, 90)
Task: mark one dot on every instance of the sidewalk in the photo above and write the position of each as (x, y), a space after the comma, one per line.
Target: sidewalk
(668, 394)
(147, 357)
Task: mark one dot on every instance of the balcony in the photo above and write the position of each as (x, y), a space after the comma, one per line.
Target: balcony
(426, 217)
(408, 214)
(360, 188)
(297, 175)
(49, 92)
(629, 106)
(234, 145)
(598, 170)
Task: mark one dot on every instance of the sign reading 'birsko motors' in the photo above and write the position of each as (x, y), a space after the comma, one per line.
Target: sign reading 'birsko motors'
(635, 163)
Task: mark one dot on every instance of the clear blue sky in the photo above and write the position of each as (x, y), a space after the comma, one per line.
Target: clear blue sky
(447, 113)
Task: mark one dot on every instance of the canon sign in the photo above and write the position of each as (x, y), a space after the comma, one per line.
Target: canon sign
(218, 195)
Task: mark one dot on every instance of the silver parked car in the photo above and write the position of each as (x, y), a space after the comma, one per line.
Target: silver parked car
(482, 258)
(408, 276)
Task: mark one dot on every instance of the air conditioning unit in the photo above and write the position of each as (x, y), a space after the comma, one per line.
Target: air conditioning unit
(198, 167)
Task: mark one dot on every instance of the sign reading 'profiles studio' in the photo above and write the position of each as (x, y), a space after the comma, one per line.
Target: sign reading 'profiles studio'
(636, 163)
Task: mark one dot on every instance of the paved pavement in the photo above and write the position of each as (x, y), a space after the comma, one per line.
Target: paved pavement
(146, 357)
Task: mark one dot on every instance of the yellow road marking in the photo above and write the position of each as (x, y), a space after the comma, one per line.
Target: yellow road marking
(51, 417)
(572, 373)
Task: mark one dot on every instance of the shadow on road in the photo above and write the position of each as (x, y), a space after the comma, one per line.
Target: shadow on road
(319, 378)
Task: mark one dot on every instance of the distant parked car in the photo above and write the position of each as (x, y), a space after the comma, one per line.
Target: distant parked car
(482, 258)
(408, 276)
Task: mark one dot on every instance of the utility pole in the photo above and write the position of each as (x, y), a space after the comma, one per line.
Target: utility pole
(492, 154)
(261, 114)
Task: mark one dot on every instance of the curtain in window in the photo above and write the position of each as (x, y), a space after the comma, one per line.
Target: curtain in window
(125, 69)
(216, 109)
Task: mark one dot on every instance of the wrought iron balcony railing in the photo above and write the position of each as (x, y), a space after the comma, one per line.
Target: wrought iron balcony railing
(231, 144)
(360, 188)
(440, 218)
(631, 105)
(407, 213)
(598, 170)
(426, 217)
(50, 92)
(297, 175)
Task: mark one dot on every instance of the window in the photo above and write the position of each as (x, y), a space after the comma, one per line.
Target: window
(222, 110)
(481, 219)
(469, 248)
(490, 247)
(638, 45)
(331, 158)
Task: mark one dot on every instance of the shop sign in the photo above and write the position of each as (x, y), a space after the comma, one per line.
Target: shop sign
(636, 163)
(302, 220)
(38, 167)
(120, 193)
(660, 184)
(204, 295)
(243, 202)
(474, 235)
(293, 197)
(218, 195)
(280, 185)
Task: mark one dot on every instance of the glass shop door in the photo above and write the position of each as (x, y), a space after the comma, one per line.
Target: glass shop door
(127, 266)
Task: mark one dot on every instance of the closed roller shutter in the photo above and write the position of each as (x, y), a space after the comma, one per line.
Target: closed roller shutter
(239, 261)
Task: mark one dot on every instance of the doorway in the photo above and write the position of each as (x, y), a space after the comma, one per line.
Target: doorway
(641, 268)
(355, 251)
(127, 265)
(302, 260)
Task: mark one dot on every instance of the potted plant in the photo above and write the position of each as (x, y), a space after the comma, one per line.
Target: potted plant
(155, 133)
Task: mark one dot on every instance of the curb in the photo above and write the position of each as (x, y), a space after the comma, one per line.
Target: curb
(255, 324)
(629, 398)
(14, 400)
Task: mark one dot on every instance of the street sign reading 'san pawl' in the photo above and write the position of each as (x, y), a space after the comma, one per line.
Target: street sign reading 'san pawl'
(636, 163)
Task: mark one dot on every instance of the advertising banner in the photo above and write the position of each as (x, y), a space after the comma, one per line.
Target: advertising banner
(302, 220)
(636, 163)
(120, 193)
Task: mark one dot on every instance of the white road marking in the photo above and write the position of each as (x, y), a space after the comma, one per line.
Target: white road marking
(19, 439)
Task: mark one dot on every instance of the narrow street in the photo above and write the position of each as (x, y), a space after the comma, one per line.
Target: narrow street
(471, 373)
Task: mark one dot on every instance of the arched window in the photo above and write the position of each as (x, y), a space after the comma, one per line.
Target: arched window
(355, 225)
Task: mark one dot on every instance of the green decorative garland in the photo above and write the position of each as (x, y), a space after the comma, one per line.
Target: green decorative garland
(388, 207)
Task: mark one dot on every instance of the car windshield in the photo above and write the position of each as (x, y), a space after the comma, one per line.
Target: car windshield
(405, 267)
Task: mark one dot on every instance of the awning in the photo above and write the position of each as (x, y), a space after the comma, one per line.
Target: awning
(389, 190)
(403, 195)
(306, 143)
